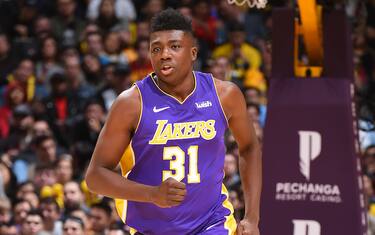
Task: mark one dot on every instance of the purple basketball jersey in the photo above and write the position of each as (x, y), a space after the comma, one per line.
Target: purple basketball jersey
(183, 140)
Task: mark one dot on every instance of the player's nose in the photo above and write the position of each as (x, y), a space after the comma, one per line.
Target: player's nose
(165, 54)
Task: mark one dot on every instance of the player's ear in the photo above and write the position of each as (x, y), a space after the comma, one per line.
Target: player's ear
(194, 53)
(194, 48)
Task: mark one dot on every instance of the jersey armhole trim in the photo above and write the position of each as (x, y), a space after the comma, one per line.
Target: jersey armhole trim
(140, 113)
(218, 98)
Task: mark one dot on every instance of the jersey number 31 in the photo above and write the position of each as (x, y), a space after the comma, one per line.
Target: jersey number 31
(176, 156)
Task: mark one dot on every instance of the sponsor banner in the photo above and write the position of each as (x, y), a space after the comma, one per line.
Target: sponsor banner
(311, 169)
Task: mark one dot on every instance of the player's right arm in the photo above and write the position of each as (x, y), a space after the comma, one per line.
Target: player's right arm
(115, 136)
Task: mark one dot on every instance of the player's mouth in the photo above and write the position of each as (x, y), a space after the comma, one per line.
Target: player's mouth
(166, 70)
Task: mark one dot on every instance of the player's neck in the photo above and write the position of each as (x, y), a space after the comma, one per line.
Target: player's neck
(182, 89)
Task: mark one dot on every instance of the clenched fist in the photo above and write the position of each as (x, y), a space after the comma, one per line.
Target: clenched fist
(245, 227)
(169, 193)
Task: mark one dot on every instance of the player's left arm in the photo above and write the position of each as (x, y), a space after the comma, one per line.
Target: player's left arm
(250, 162)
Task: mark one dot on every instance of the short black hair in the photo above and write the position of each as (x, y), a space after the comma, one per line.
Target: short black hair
(9, 223)
(235, 26)
(255, 105)
(50, 201)
(103, 205)
(93, 101)
(36, 212)
(19, 201)
(37, 141)
(57, 78)
(75, 219)
(20, 185)
(116, 226)
(170, 19)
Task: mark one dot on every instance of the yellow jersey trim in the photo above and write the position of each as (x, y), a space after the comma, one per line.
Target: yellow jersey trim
(217, 94)
(152, 75)
(140, 114)
(127, 163)
(127, 160)
(230, 223)
(132, 231)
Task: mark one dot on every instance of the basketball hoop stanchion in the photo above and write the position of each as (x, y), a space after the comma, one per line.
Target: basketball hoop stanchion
(251, 3)
(310, 29)
(318, 144)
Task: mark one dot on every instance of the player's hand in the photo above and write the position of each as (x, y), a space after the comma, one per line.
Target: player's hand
(245, 227)
(169, 193)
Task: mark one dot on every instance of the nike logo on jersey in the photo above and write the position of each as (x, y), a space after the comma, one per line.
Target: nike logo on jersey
(209, 227)
(159, 109)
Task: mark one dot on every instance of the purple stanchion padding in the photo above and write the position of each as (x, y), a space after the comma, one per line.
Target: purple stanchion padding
(337, 43)
(282, 43)
(312, 181)
(311, 173)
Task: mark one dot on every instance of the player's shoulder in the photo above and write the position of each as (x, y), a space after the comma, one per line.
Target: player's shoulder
(129, 96)
(128, 102)
(230, 96)
(226, 88)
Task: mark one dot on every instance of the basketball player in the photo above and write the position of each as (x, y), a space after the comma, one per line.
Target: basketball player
(174, 120)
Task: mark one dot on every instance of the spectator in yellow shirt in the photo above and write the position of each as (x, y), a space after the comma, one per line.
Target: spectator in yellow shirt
(241, 53)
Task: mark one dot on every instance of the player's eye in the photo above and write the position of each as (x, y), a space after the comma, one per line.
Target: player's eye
(176, 46)
(155, 49)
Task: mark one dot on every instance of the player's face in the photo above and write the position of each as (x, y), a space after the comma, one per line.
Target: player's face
(172, 54)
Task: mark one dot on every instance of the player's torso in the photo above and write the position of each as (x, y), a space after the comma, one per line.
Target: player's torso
(183, 140)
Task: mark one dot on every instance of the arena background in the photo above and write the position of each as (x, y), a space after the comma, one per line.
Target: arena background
(63, 62)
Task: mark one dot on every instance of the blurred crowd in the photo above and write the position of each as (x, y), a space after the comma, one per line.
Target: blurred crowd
(63, 63)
